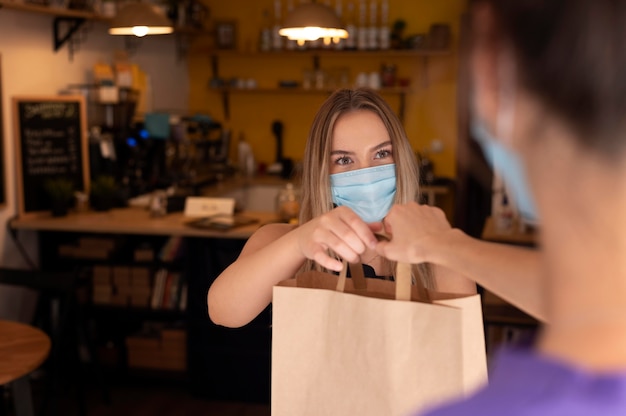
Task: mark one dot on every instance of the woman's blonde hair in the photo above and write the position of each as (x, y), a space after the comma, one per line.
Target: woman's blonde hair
(315, 173)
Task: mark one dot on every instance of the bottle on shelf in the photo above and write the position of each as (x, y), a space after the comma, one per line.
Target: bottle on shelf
(372, 30)
(277, 39)
(384, 31)
(247, 165)
(339, 43)
(327, 43)
(265, 36)
(350, 43)
(362, 31)
(290, 44)
(303, 45)
(288, 204)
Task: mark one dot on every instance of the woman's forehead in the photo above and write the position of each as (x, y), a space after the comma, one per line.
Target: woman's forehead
(359, 128)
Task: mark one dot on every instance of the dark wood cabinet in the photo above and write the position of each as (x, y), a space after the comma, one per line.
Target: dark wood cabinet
(221, 363)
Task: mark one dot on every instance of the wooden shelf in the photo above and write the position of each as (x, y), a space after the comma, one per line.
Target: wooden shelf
(326, 53)
(53, 11)
(315, 55)
(299, 90)
(526, 238)
(82, 14)
(226, 92)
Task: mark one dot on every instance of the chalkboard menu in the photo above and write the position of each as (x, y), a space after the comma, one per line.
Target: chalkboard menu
(51, 143)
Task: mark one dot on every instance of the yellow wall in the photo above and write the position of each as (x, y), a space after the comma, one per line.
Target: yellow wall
(430, 107)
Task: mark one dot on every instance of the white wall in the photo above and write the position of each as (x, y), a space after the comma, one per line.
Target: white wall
(29, 66)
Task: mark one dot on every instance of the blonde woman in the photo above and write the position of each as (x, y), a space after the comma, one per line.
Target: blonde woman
(357, 164)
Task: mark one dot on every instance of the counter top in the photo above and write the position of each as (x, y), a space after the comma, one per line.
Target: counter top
(490, 233)
(135, 221)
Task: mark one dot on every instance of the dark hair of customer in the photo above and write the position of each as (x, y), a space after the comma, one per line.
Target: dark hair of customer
(571, 54)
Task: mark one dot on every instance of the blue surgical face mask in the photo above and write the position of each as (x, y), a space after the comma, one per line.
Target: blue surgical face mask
(369, 192)
(509, 166)
(503, 159)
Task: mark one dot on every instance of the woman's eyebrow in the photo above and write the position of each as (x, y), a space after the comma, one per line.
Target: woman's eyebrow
(380, 146)
(373, 149)
(341, 152)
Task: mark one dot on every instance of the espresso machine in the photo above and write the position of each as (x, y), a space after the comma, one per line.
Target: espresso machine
(197, 154)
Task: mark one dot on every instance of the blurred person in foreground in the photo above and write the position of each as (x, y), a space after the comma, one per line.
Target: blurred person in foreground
(549, 92)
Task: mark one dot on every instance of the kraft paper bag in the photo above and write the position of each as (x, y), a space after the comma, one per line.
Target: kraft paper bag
(350, 347)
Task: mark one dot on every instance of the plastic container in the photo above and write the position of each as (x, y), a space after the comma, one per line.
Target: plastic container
(504, 217)
(288, 204)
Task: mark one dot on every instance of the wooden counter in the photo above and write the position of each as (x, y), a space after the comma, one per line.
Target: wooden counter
(134, 221)
(490, 233)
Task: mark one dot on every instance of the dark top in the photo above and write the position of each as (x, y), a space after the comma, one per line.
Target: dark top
(369, 272)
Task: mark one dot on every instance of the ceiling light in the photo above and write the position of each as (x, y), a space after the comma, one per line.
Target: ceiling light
(312, 21)
(140, 19)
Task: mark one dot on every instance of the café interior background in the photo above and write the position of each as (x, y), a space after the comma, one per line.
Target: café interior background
(30, 67)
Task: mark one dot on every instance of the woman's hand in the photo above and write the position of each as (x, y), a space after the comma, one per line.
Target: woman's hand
(411, 228)
(340, 230)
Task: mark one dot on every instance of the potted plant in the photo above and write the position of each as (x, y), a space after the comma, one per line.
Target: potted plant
(61, 194)
(102, 193)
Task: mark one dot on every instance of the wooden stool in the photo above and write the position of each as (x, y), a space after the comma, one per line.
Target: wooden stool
(23, 348)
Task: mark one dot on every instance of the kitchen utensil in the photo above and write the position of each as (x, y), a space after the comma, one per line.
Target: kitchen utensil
(277, 129)
(283, 165)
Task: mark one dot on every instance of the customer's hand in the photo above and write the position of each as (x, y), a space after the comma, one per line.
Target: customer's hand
(411, 228)
(340, 230)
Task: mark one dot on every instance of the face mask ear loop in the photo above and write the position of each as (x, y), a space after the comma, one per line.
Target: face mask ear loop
(505, 117)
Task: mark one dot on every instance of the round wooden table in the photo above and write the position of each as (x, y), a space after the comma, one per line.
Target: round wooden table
(23, 348)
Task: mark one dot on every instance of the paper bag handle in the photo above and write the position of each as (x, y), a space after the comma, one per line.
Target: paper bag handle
(403, 281)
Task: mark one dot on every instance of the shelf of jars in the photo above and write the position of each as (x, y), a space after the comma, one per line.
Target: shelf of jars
(217, 85)
(300, 90)
(322, 53)
(316, 55)
(226, 92)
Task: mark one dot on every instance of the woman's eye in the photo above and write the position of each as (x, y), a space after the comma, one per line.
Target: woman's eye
(383, 153)
(343, 160)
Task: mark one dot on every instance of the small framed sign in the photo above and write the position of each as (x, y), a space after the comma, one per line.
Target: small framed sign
(226, 34)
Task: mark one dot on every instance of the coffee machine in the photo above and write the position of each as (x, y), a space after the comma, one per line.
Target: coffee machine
(198, 152)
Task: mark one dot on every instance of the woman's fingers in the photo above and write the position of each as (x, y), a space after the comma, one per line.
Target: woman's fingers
(341, 231)
(324, 260)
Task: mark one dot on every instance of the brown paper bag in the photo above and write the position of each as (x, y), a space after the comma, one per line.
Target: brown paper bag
(350, 347)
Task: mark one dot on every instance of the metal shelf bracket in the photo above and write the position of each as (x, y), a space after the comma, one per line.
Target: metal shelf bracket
(64, 29)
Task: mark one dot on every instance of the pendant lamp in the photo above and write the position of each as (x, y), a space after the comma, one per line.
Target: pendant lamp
(140, 19)
(311, 21)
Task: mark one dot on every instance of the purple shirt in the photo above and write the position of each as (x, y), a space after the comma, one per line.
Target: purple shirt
(525, 383)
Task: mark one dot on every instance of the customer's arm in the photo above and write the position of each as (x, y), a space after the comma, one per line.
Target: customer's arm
(275, 253)
(510, 272)
(422, 234)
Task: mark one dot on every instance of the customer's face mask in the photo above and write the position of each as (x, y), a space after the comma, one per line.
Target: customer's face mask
(369, 192)
(503, 159)
(509, 166)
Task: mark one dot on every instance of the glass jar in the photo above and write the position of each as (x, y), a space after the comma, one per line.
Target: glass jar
(288, 204)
